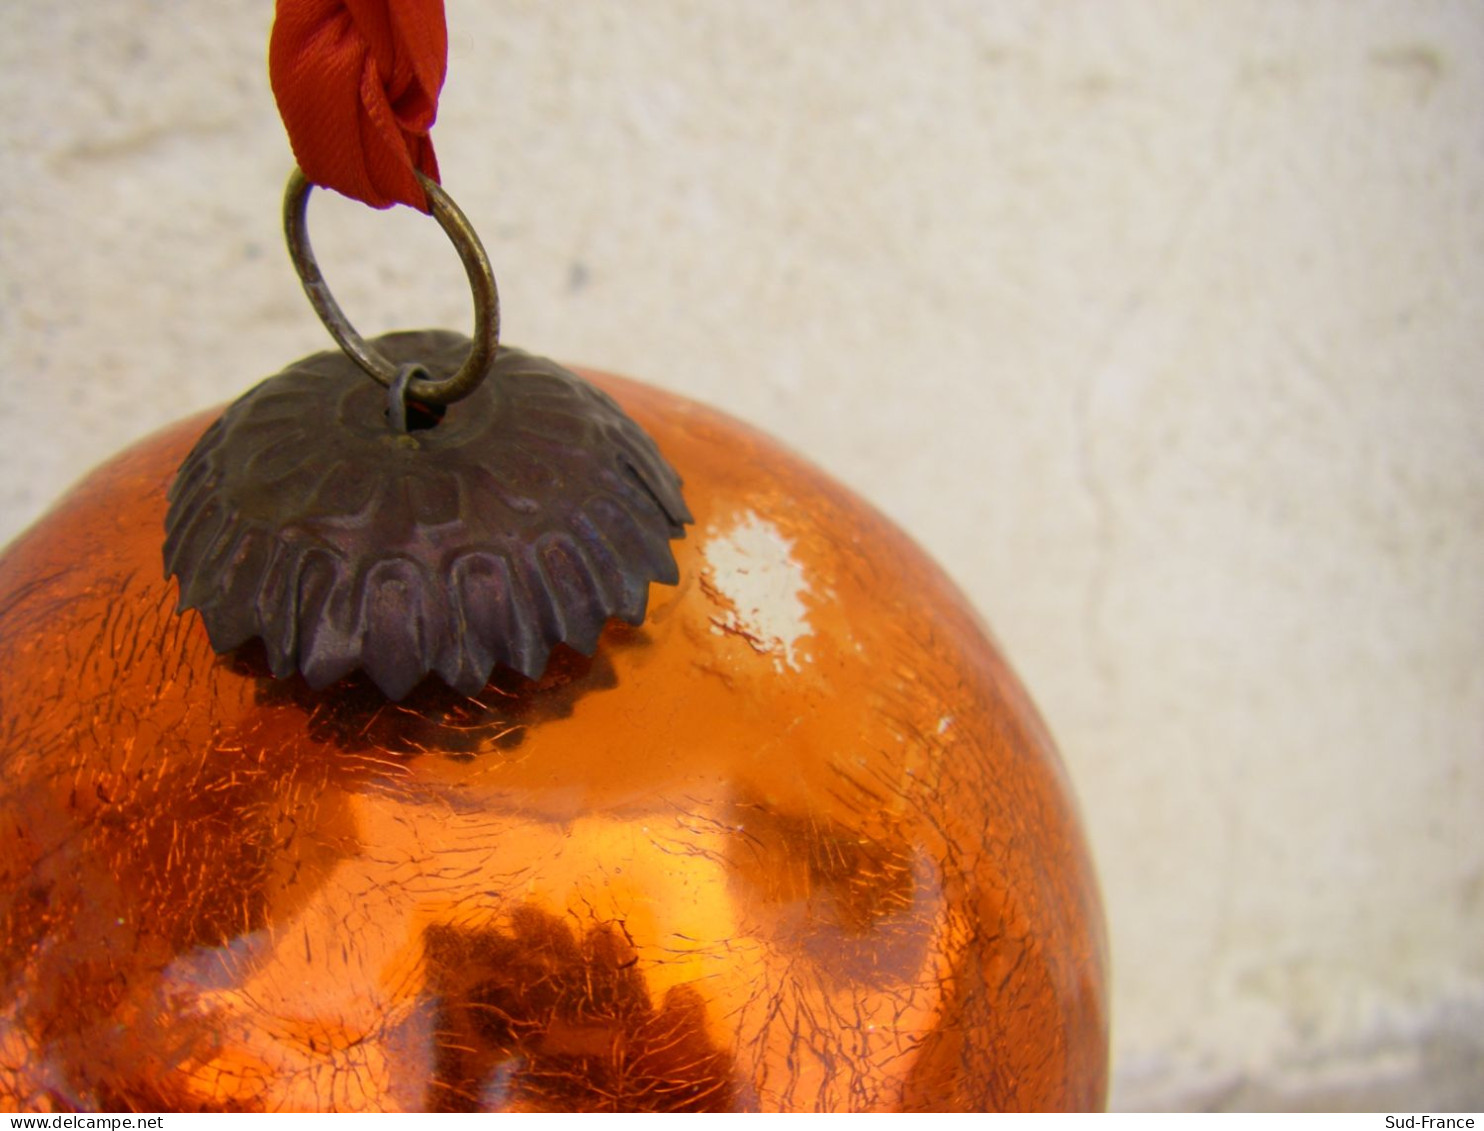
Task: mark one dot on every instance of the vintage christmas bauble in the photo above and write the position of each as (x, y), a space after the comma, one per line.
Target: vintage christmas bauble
(797, 842)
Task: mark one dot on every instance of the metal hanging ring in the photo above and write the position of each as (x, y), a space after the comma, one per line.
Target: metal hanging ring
(481, 282)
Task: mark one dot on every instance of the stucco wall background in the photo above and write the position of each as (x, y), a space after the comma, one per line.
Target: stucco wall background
(1157, 323)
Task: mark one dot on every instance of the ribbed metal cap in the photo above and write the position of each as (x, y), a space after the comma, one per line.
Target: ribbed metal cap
(526, 516)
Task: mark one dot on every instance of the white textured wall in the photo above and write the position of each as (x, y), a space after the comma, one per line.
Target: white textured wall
(1158, 323)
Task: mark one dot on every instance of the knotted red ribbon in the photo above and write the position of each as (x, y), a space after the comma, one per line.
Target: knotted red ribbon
(357, 84)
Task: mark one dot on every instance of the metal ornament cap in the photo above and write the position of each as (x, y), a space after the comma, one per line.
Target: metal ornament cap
(528, 515)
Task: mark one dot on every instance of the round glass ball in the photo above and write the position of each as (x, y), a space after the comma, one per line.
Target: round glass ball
(797, 843)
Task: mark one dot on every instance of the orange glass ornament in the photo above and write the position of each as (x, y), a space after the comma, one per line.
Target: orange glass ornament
(799, 842)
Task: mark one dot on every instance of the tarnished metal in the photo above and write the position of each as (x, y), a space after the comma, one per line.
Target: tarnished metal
(481, 282)
(527, 515)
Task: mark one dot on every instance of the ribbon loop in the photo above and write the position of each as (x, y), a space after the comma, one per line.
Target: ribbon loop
(357, 85)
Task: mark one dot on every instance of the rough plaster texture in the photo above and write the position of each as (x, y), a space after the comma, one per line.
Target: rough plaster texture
(1158, 323)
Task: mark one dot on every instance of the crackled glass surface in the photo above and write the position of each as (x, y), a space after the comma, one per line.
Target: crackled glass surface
(797, 843)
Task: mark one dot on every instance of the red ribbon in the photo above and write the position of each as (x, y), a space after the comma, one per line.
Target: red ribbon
(357, 84)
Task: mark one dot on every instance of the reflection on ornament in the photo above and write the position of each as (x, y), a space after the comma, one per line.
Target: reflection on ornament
(798, 842)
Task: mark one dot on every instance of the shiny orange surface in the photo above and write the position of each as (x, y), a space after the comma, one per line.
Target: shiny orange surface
(798, 843)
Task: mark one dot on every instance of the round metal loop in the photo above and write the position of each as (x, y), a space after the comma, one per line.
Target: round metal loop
(481, 282)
